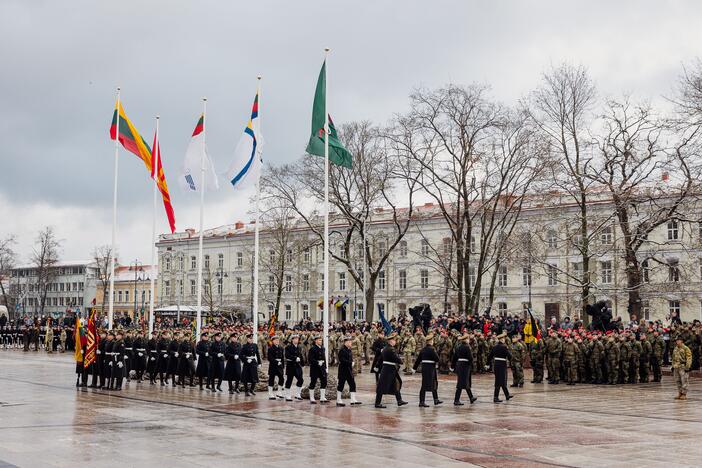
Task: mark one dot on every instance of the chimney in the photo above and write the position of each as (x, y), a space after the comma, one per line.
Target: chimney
(428, 205)
(238, 225)
(665, 176)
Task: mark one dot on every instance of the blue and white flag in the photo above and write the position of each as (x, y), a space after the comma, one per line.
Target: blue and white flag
(246, 167)
(190, 179)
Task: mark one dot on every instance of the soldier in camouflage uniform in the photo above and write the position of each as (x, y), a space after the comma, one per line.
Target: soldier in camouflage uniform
(682, 361)
(634, 359)
(357, 352)
(570, 360)
(518, 352)
(657, 349)
(536, 356)
(612, 353)
(596, 357)
(409, 347)
(419, 339)
(645, 358)
(624, 354)
(367, 344)
(582, 360)
(553, 356)
(444, 350)
(482, 353)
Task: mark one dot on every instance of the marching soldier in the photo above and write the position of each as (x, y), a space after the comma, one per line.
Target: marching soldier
(152, 357)
(318, 370)
(462, 364)
(251, 358)
(118, 361)
(408, 349)
(139, 353)
(429, 360)
(682, 361)
(107, 362)
(217, 350)
(202, 349)
(293, 369)
(276, 368)
(518, 351)
(357, 349)
(499, 355)
(49, 339)
(233, 370)
(163, 357)
(553, 353)
(345, 373)
(99, 364)
(63, 340)
(378, 346)
(389, 381)
(173, 358)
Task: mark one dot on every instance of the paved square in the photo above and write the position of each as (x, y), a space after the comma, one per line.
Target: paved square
(45, 421)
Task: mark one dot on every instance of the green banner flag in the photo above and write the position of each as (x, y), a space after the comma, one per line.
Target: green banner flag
(337, 153)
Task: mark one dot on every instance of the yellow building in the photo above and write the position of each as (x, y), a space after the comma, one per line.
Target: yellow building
(132, 291)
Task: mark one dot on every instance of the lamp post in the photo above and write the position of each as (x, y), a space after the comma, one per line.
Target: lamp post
(138, 268)
(220, 275)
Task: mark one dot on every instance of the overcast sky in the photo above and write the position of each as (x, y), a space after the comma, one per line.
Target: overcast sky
(62, 61)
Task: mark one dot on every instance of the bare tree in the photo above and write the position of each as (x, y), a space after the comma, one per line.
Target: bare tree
(101, 256)
(7, 262)
(561, 108)
(45, 256)
(379, 178)
(634, 149)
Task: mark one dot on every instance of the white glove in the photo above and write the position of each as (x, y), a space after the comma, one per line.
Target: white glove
(207, 354)
(353, 363)
(141, 354)
(297, 359)
(120, 365)
(126, 357)
(319, 363)
(165, 356)
(259, 365)
(187, 355)
(220, 355)
(153, 358)
(236, 356)
(98, 351)
(109, 363)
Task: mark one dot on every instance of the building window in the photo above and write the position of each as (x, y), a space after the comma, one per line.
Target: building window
(305, 282)
(193, 263)
(321, 282)
(288, 312)
(382, 249)
(306, 255)
(167, 287)
(646, 310)
(193, 288)
(358, 312)
(207, 262)
(502, 309)
(645, 271)
(289, 255)
(424, 279)
(673, 230)
(606, 272)
(342, 281)
(502, 276)
(126, 296)
(606, 235)
(119, 296)
(674, 308)
(473, 244)
(552, 274)
(270, 311)
(219, 286)
(220, 260)
(381, 279)
(425, 247)
(403, 248)
(552, 239)
(272, 256)
(342, 251)
(305, 311)
(446, 244)
(271, 284)
(472, 278)
(168, 263)
(207, 288)
(526, 276)
(673, 273)
(240, 259)
(403, 279)
(288, 283)
(181, 263)
(238, 285)
(180, 289)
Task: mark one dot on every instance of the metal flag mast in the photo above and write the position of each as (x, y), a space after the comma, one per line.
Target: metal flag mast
(157, 153)
(202, 219)
(110, 310)
(254, 311)
(326, 217)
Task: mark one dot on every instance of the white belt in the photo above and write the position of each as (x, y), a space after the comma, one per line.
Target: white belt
(387, 363)
(428, 362)
(500, 359)
(462, 360)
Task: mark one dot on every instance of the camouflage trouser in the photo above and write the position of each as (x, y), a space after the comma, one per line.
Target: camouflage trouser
(612, 371)
(571, 371)
(596, 367)
(482, 357)
(681, 380)
(634, 369)
(623, 371)
(538, 366)
(356, 364)
(517, 373)
(643, 369)
(656, 366)
(582, 370)
(554, 367)
(408, 362)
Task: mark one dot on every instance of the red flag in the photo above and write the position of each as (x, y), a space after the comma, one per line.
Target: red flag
(163, 188)
(92, 342)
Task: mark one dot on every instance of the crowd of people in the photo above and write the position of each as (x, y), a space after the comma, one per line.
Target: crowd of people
(568, 352)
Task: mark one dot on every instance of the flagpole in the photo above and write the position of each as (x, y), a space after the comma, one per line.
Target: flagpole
(157, 152)
(254, 312)
(326, 216)
(110, 310)
(202, 221)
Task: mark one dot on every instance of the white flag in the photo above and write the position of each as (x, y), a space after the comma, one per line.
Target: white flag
(246, 167)
(190, 178)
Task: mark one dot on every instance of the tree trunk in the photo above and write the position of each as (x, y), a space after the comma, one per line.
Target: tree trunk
(370, 298)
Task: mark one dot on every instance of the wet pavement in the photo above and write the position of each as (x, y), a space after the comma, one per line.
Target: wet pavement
(46, 421)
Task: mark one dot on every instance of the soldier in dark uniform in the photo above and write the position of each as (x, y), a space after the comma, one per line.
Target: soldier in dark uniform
(377, 348)
(318, 370)
(275, 368)
(185, 358)
(252, 360)
(345, 373)
(462, 364)
(99, 364)
(500, 355)
(117, 361)
(233, 370)
(172, 369)
(152, 357)
(389, 381)
(293, 369)
(217, 350)
(107, 362)
(139, 355)
(128, 354)
(204, 359)
(162, 359)
(428, 359)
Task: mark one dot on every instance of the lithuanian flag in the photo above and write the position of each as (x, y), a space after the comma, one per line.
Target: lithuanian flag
(133, 142)
(79, 340)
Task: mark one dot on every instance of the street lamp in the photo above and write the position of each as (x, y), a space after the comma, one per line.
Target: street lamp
(220, 275)
(138, 268)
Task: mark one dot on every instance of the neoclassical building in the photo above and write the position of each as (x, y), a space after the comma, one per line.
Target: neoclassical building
(545, 274)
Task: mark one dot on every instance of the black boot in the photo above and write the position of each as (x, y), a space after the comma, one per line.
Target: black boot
(472, 398)
(496, 396)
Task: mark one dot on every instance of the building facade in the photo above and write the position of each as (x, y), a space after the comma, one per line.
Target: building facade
(132, 288)
(547, 274)
(68, 286)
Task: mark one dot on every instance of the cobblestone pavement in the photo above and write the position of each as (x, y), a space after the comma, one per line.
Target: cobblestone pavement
(46, 421)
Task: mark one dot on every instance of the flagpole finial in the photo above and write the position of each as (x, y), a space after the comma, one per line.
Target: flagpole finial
(258, 77)
(157, 117)
(204, 99)
(118, 88)
(327, 49)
